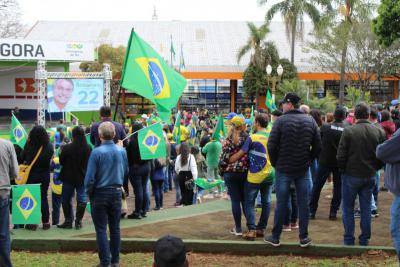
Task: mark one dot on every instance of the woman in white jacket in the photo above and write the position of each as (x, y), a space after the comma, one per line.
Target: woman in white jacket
(186, 169)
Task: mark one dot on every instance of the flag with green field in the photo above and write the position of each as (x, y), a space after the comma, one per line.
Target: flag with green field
(220, 130)
(177, 129)
(151, 142)
(26, 204)
(269, 102)
(147, 74)
(18, 135)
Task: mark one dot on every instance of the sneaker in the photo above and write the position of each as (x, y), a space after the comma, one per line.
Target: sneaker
(272, 241)
(208, 196)
(46, 226)
(156, 208)
(294, 226)
(198, 199)
(179, 206)
(305, 242)
(374, 214)
(259, 233)
(250, 235)
(236, 233)
(357, 214)
(286, 228)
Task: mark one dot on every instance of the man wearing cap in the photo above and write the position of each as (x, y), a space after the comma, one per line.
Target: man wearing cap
(294, 142)
(170, 251)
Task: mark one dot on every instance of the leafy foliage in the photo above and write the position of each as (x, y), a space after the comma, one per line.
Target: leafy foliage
(325, 105)
(254, 79)
(387, 24)
(106, 54)
(355, 96)
(293, 12)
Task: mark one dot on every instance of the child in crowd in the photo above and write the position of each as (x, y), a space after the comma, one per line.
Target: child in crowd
(56, 189)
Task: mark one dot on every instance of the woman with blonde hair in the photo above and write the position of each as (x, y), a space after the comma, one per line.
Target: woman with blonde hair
(235, 174)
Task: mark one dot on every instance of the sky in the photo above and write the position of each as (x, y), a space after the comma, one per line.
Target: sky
(142, 10)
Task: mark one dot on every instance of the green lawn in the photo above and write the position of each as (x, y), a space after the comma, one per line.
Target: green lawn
(83, 259)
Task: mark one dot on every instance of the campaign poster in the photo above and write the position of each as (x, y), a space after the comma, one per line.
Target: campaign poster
(66, 95)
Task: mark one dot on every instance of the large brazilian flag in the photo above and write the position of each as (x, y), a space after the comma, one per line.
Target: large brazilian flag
(147, 74)
(26, 204)
(151, 142)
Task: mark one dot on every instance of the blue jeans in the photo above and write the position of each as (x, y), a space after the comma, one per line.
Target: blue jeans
(375, 191)
(166, 180)
(250, 194)
(158, 192)
(282, 188)
(323, 173)
(56, 204)
(351, 187)
(5, 244)
(292, 212)
(235, 182)
(395, 223)
(106, 209)
(139, 177)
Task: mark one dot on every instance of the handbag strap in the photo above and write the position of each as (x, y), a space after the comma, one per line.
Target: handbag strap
(36, 157)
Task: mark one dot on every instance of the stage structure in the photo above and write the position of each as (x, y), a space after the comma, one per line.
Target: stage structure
(41, 76)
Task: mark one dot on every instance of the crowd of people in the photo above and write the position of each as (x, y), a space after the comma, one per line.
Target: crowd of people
(291, 151)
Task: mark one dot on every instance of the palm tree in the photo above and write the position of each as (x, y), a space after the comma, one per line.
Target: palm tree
(293, 12)
(254, 43)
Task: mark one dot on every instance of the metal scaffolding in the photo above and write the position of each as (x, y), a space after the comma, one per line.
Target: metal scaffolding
(41, 76)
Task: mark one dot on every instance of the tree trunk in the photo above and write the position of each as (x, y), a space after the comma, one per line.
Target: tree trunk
(342, 75)
(257, 94)
(293, 41)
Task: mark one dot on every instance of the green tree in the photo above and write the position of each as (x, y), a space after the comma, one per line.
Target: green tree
(387, 24)
(302, 88)
(254, 44)
(10, 19)
(356, 95)
(293, 12)
(109, 55)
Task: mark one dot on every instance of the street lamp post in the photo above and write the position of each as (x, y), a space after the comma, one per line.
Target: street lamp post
(274, 79)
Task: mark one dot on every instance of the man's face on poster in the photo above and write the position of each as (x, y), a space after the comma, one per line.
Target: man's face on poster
(63, 90)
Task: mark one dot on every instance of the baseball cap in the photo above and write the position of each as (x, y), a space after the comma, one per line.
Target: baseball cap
(231, 115)
(291, 98)
(237, 121)
(169, 251)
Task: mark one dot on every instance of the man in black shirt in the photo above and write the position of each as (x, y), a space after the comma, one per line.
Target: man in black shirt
(330, 134)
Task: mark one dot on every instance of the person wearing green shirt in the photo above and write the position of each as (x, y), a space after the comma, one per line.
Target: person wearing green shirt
(212, 151)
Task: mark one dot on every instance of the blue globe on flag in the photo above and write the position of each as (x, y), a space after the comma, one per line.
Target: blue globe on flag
(26, 203)
(257, 157)
(156, 78)
(151, 141)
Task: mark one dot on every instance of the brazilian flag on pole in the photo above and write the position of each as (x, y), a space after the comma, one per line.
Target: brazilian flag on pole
(220, 130)
(26, 204)
(269, 102)
(18, 134)
(177, 129)
(151, 142)
(147, 74)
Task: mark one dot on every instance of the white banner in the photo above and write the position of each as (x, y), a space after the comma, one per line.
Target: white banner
(23, 49)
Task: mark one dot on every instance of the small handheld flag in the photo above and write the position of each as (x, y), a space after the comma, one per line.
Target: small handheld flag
(26, 204)
(18, 134)
(269, 102)
(151, 142)
(220, 130)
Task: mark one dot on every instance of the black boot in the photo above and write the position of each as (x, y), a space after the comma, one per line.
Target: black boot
(67, 209)
(80, 211)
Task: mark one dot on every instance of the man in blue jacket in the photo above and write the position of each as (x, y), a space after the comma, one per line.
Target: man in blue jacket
(388, 152)
(107, 167)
